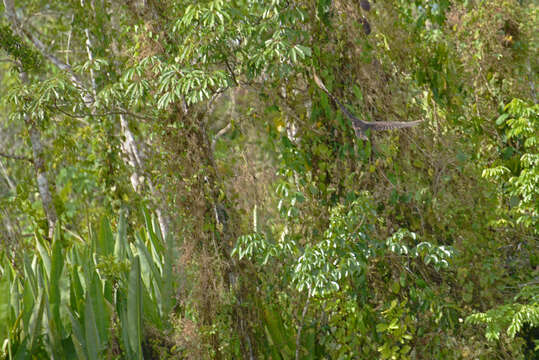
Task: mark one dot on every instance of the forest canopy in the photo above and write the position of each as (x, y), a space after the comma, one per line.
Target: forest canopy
(256, 179)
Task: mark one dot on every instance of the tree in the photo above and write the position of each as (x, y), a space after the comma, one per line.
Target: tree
(289, 236)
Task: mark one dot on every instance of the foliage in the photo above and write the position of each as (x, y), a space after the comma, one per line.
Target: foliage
(340, 266)
(15, 46)
(511, 317)
(295, 239)
(86, 300)
(519, 185)
(519, 182)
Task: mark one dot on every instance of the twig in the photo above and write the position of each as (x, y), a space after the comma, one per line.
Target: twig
(9, 61)
(73, 234)
(122, 112)
(229, 68)
(16, 157)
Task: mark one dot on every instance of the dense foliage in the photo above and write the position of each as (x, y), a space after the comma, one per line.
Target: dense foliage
(174, 184)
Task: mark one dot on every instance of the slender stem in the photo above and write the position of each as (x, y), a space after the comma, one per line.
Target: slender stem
(67, 51)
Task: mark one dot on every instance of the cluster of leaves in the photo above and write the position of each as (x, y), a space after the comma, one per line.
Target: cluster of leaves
(218, 43)
(12, 44)
(518, 175)
(512, 317)
(86, 300)
(339, 265)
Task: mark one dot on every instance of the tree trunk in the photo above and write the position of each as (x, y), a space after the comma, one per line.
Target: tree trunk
(40, 169)
(35, 139)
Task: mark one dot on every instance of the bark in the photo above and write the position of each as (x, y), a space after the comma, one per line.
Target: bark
(135, 158)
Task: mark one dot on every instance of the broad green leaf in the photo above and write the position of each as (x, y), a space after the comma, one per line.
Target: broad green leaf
(35, 323)
(100, 310)
(121, 247)
(76, 290)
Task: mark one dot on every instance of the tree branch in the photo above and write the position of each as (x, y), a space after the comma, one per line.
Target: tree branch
(220, 133)
(121, 112)
(16, 157)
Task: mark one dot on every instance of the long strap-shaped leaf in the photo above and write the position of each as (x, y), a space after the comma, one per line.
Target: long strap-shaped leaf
(134, 311)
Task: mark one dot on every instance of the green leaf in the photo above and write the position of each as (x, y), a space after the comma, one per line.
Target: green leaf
(76, 290)
(381, 327)
(134, 310)
(55, 299)
(501, 119)
(105, 240)
(5, 281)
(78, 338)
(43, 251)
(282, 339)
(101, 310)
(122, 250)
(35, 323)
(90, 330)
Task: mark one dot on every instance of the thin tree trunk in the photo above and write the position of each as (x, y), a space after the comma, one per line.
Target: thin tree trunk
(35, 139)
(135, 158)
(40, 169)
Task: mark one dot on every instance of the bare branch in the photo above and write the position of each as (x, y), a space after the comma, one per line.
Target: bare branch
(231, 71)
(135, 158)
(91, 59)
(67, 51)
(219, 134)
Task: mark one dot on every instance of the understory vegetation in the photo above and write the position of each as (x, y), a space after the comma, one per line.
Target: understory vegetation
(175, 184)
